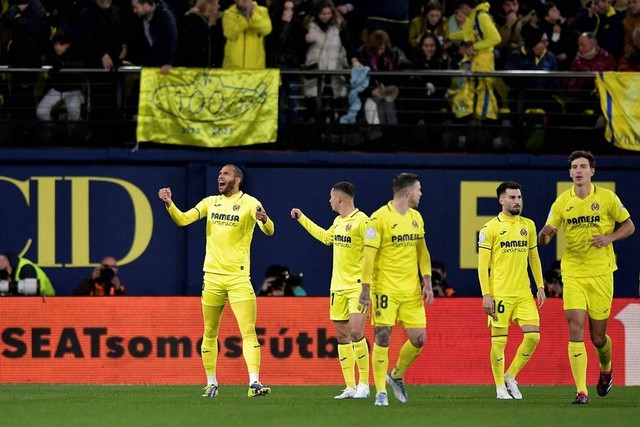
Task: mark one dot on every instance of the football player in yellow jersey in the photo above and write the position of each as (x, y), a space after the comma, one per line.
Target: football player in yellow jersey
(589, 214)
(396, 275)
(506, 247)
(346, 235)
(231, 219)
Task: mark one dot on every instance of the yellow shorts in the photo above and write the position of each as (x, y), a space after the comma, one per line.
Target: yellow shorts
(217, 288)
(344, 303)
(407, 310)
(591, 294)
(519, 310)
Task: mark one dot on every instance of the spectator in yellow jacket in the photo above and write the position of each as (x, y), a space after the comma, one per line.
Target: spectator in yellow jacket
(245, 25)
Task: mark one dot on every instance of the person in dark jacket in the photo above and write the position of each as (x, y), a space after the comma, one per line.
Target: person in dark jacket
(285, 50)
(562, 40)
(428, 92)
(30, 37)
(102, 37)
(159, 32)
(533, 92)
(201, 42)
(62, 87)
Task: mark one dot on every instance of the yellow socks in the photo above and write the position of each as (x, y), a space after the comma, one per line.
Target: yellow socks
(498, 343)
(578, 362)
(380, 364)
(361, 353)
(347, 363)
(408, 354)
(604, 355)
(524, 352)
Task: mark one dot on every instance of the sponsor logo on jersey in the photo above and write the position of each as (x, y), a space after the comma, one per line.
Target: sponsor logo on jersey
(514, 244)
(583, 219)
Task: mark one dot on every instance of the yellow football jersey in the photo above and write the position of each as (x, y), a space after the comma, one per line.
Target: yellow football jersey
(396, 237)
(510, 241)
(229, 231)
(347, 237)
(582, 219)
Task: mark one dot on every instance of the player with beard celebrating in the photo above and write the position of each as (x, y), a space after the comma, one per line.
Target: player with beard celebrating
(231, 218)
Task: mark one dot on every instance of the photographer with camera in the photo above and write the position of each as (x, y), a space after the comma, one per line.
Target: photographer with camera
(275, 282)
(17, 277)
(104, 280)
(441, 288)
(553, 281)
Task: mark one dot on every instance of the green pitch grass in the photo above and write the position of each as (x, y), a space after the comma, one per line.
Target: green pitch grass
(154, 406)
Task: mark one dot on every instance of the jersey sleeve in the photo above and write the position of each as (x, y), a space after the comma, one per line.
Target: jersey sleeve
(197, 212)
(618, 212)
(268, 228)
(534, 257)
(319, 233)
(484, 258)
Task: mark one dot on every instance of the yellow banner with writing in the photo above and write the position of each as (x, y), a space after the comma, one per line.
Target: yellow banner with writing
(620, 102)
(208, 107)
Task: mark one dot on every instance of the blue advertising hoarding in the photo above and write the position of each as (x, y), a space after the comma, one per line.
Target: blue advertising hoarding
(66, 213)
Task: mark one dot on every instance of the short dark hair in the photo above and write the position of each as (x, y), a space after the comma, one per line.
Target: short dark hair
(470, 3)
(237, 172)
(404, 180)
(507, 185)
(345, 187)
(580, 154)
(61, 37)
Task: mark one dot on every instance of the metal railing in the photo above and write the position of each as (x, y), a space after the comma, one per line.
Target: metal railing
(423, 123)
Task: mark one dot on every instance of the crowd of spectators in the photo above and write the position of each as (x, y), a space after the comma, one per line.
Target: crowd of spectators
(574, 35)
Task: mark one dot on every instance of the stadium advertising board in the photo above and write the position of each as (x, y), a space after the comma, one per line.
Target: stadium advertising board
(156, 340)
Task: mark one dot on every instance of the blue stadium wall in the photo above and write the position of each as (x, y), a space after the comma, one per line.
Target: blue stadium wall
(66, 209)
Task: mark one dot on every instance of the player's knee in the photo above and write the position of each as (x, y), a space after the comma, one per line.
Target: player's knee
(383, 336)
(248, 329)
(210, 333)
(419, 341)
(342, 337)
(533, 338)
(356, 335)
(599, 340)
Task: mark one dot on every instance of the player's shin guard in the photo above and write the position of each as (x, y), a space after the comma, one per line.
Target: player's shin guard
(361, 353)
(528, 345)
(498, 344)
(347, 363)
(380, 365)
(604, 355)
(578, 362)
(408, 354)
